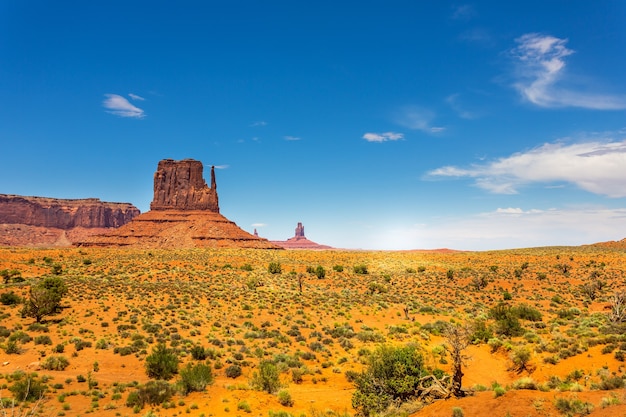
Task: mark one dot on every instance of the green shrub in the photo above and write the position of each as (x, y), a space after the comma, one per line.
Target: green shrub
(195, 378)
(10, 298)
(43, 339)
(274, 268)
(162, 363)
(360, 269)
(27, 387)
(320, 272)
(571, 406)
(198, 353)
(153, 393)
(267, 378)
(55, 363)
(391, 376)
(457, 412)
(233, 371)
(284, 398)
(338, 268)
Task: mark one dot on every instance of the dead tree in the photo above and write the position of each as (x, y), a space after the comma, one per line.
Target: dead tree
(618, 308)
(458, 338)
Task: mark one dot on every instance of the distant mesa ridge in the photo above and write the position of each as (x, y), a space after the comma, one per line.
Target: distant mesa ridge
(47, 221)
(299, 241)
(184, 213)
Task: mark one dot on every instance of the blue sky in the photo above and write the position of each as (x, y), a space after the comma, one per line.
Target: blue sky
(377, 124)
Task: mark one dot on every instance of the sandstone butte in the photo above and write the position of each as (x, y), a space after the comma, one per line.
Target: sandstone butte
(184, 213)
(44, 221)
(299, 241)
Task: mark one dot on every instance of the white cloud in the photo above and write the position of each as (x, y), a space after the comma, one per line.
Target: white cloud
(258, 224)
(518, 228)
(119, 106)
(135, 97)
(221, 166)
(417, 118)
(292, 138)
(541, 76)
(383, 137)
(597, 167)
(259, 123)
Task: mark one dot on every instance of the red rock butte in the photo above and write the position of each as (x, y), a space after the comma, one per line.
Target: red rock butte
(184, 213)
(299, 241)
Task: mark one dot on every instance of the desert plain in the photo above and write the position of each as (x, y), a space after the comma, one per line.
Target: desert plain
(317, 316)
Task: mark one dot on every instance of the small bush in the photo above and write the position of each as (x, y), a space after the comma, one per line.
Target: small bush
(360, 269)
(162, 363)
(195, 378)
(284, 398)
(274, 268)
(571, 406)
(10, 298)
(267, 378)
(55, 363)
(153, 393)
(233, 371)
(338, 268)
(457, 412)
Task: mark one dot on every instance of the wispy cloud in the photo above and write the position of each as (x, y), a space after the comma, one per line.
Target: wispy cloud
(541, 63)
(453, 101)
(598, 167)
(135, 97)
(383, 137)
(418, 118)
(464, 12)
(258, 123)
(221, 166)
(258, 224)
(120, 106)
(291, 138)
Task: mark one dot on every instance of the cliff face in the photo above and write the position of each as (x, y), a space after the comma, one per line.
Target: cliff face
(179, 185)
(64, 214)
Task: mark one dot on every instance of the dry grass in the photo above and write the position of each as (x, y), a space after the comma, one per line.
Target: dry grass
(226, 304)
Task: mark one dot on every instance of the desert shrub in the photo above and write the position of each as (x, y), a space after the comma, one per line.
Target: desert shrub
(27, 387)
(12, 348)
(481, 333)
(507, 321)
(571, 406)
(246, 267)
(520, 358)
(198, 353)
(297, 375)
(338, 268)
(162, 363)
(457, 412)
(10, 298)
(55, 363)
(320, 272)
(153, 393)
(526, 312)
(284, 398)
(611, 383)
(360, 269)
(391, 376)
(233, 371)
(44, 298)
(195, 378)
(274, 268)
(43, 339)
(525, 383)
(267, 378)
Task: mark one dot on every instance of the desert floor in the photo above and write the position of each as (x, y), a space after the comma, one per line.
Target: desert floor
(122, 303)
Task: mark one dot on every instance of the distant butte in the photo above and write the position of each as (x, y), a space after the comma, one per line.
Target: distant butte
(299, 241)
(184, 213)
